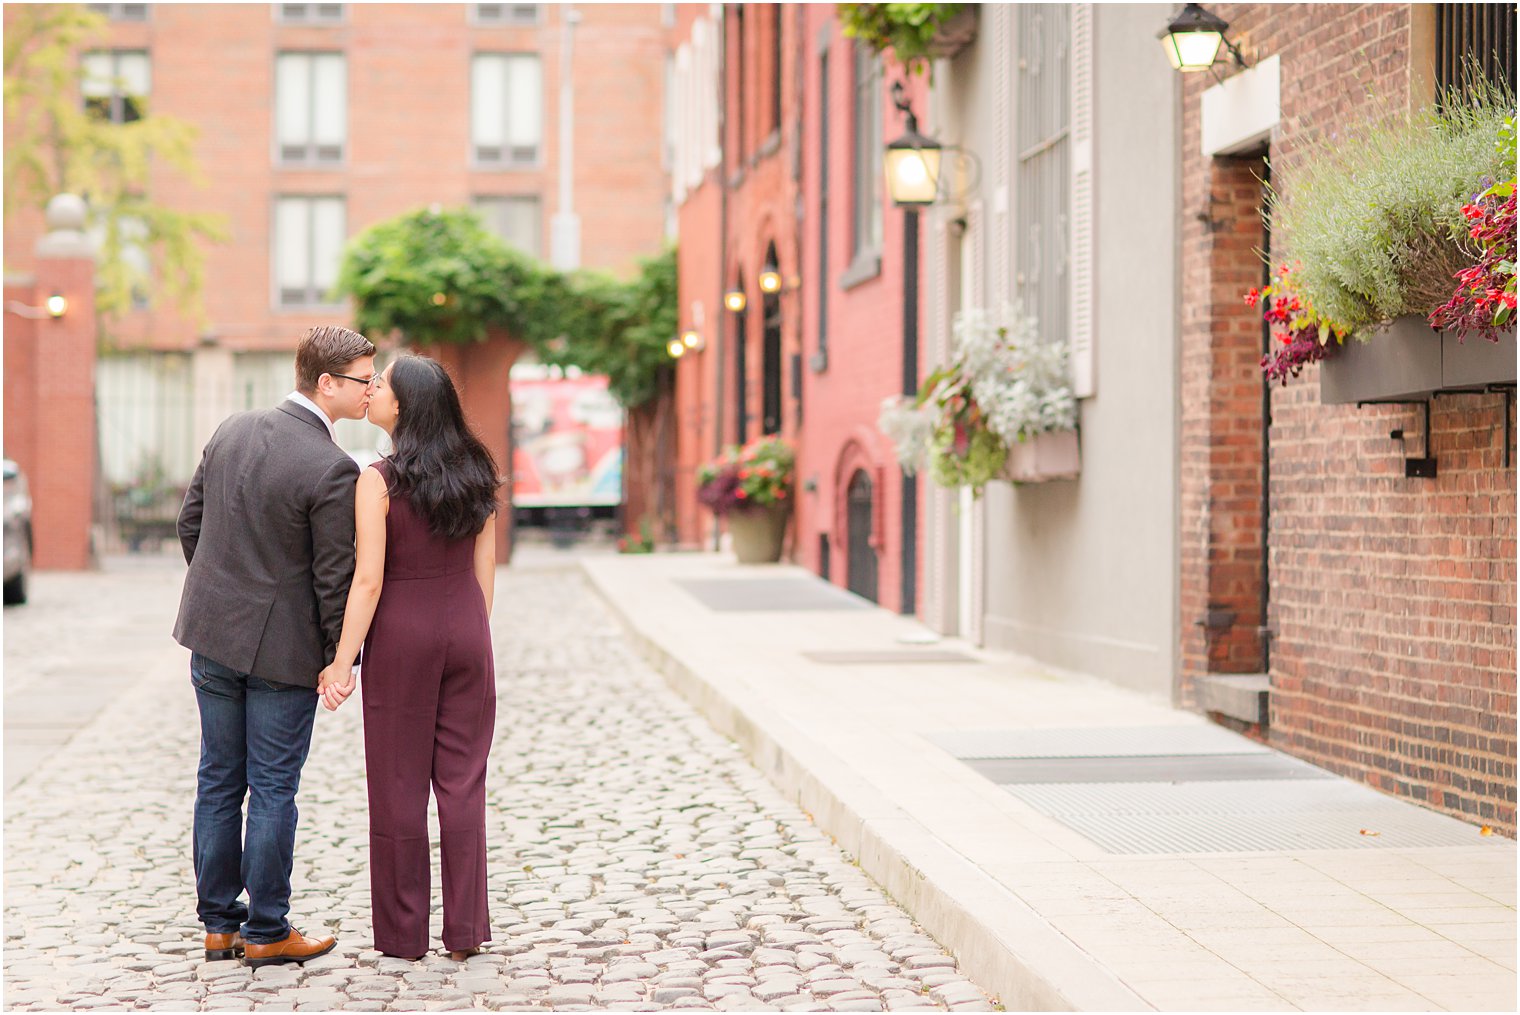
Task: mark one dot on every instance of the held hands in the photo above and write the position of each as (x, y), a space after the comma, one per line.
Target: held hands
(335, 684)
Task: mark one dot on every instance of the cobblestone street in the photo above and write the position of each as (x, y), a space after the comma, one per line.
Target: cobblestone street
(637, 860)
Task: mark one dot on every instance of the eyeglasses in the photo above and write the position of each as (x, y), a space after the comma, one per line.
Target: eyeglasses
(366, 381)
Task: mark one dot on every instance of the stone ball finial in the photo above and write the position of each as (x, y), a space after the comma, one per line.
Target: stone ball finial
(66, 212)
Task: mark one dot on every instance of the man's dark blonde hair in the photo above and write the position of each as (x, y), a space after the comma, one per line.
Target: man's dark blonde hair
(327, 349)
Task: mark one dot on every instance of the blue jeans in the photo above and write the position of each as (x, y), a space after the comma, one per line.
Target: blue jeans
(254, 739)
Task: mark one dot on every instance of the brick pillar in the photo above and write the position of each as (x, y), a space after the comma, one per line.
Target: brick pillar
(63, 472)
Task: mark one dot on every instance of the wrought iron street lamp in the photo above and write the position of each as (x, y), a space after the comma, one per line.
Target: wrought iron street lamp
(734, 301)
(912, 162)
(1193, 37)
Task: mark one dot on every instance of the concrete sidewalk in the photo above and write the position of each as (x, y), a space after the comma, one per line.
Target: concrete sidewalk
(1077, 845)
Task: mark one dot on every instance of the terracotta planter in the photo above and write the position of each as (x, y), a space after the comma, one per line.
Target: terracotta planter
(956, 33)
(758, 532)
(1054, 455)
(1409, 361)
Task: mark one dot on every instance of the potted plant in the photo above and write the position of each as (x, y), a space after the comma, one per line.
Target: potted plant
(1381, 228)
(1001, 409)
(752, 487)
(916, 34)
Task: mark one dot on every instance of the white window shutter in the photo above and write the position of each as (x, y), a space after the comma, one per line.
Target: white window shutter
(1083, 225)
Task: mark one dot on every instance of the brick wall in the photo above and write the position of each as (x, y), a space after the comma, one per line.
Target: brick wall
(408, 140)
(1392, 600)
(773, 198)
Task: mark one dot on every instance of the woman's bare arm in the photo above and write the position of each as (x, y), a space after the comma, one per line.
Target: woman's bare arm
(371, 503)
(485, 561)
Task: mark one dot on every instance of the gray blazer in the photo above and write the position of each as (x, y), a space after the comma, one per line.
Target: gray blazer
(268, 531)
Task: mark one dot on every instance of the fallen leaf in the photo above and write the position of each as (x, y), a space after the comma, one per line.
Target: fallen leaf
(1485, 830)
(1365, 832)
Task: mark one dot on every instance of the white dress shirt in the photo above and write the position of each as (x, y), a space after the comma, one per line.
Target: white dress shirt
(306, 403)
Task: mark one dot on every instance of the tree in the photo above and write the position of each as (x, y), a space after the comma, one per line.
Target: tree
(56, 143)
(437, 275)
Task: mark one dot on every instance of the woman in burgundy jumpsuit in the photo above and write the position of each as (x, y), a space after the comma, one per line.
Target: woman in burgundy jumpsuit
(429, 676)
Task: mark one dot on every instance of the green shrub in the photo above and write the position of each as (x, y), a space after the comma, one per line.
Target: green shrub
(1373, 217)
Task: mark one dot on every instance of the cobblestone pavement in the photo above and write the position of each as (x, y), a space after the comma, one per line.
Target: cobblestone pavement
(637, 860)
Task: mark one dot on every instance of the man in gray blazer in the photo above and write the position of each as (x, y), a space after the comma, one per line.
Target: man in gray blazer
(268, 531)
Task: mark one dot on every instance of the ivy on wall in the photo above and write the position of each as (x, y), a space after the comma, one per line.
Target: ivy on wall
(435, 276)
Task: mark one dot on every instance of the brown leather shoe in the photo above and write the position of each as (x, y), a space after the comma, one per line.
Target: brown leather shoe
(297, 947)
(220, 947)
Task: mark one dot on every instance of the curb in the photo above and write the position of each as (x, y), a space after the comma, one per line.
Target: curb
(1001, 944)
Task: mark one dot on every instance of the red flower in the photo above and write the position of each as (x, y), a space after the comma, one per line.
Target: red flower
(1252, 297)
(741, 493)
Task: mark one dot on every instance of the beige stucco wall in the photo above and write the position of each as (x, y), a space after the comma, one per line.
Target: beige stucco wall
(1082, 574)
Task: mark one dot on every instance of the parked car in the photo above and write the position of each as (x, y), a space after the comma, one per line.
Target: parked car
(18, 533)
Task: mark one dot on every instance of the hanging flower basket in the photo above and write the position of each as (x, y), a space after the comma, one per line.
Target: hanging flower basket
(955, 33)
(1004, 394)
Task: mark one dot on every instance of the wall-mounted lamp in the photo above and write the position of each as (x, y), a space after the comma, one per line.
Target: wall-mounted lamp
(676, 348)
(55, 307)
(913, 161)
(734, 300)
(1193, 37)
(693, 340)
(770, 280)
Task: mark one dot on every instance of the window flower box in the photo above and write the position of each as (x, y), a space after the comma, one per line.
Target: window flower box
(1045, 456)
(1409, 361)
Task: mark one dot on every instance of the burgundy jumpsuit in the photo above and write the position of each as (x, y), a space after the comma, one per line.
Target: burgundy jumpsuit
(429, 693)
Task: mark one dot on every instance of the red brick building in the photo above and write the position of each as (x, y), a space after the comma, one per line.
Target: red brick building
(318, 120)
(1385, 616)
(804, 118)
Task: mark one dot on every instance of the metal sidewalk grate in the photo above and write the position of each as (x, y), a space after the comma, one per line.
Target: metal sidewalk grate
(1192, 789)
(1241, 817)
(889, 656)
(1087, 742)
(1151, 768)
(739, 595)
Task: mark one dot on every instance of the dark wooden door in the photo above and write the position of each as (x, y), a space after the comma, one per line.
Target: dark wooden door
(860, 555)
(770, 366)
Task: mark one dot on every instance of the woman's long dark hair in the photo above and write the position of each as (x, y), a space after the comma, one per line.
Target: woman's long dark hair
(441, 466)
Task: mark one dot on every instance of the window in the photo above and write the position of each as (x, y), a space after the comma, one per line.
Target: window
(821, 357)
(506, 14)
(309, 234)
(506, 109)
(1043, 176)
(738, 97)
(868, 153)
(115, 84)
(1475, 38)
(311, 107)
(517, 219)
(775, 89)
(310, 14)
(122, 12)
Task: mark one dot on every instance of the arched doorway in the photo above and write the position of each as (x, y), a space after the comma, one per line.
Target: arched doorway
(770, 354)
(860, 555)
